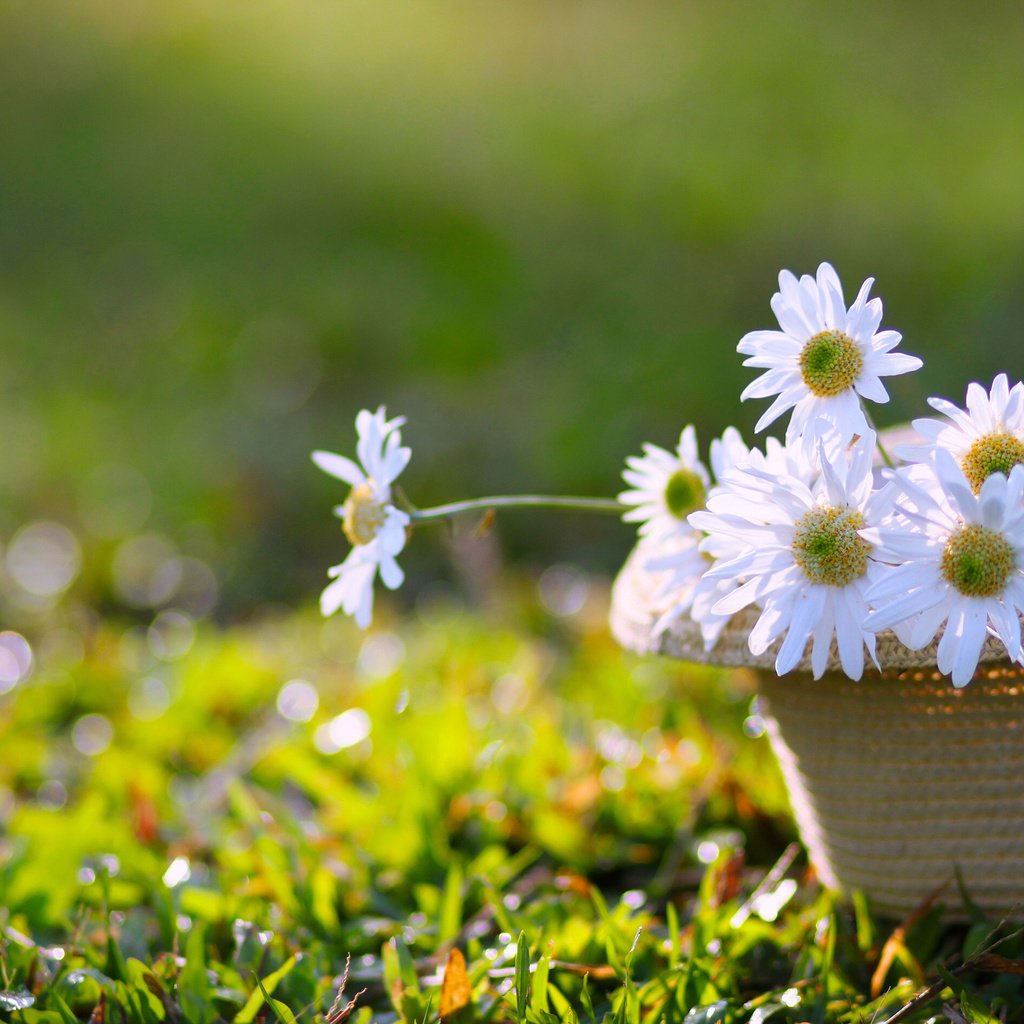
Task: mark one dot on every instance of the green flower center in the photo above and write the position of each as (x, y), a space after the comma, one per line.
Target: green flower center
(977, 561)
(827, 546)
(364, 515)
(997, 452)
(684, 493)
(830, 363)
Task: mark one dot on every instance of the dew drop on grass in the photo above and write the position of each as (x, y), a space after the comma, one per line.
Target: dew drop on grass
(178, 872)
(753, 726)
(634, 899)
(769, 904)
(17, 999)
(707, 851)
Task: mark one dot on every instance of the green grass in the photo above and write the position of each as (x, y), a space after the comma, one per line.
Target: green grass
(586, 827)
(536, 229)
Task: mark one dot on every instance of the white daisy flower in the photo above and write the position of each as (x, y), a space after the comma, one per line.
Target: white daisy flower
(684, 565)
(792, 543)
(693, 592)
(665, 488)
(958, 560)
(730, 453)
(374, 526)
(690, 590)
(986, 438)
(825, 358)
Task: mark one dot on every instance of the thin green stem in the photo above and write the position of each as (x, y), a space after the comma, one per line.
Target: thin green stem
(439, 512)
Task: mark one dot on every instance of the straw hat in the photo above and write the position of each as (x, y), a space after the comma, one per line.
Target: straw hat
(897, 781)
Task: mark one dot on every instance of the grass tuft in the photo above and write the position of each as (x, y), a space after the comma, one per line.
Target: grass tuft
(488, 825)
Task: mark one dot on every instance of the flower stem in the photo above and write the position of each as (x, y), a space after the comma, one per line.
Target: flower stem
(429, 515)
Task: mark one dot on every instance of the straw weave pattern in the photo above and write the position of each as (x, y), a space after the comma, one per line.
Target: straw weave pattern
(896, 781)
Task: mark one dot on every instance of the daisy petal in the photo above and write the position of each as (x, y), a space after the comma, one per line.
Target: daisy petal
(340, 467)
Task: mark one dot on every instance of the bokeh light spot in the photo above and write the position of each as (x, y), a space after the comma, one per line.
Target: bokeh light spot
(52, 795)
(149, 698)
(171, 635)
(92, 734)
(146, 571)
(44, 558)
(297, 701)
(15, 660)
(346, 730)
(707, 851)
(178, 872)
(380, 655)
(563, 590)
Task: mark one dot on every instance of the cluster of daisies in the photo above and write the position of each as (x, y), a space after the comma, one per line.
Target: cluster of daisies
(827, 542)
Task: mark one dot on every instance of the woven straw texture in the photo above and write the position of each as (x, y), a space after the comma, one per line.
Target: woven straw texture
(896, 781)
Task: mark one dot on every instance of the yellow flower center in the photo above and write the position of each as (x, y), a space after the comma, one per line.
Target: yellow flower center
(830, 363)
(684, 493)
(977, 561)
(997, 452)
(827, 546)
(364, 515)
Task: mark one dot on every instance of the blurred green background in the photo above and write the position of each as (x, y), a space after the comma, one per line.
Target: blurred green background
(536, 229)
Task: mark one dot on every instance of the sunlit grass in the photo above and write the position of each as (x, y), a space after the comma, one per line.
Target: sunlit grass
(282, 796)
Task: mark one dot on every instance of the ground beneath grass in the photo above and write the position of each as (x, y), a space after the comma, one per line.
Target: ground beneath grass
(451, 816)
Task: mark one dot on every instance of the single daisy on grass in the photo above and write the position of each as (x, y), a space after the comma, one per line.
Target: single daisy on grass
(986, 438)
(957, 560)
(825, 358)
(371, 522)
(793, 545)
(665, 488)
